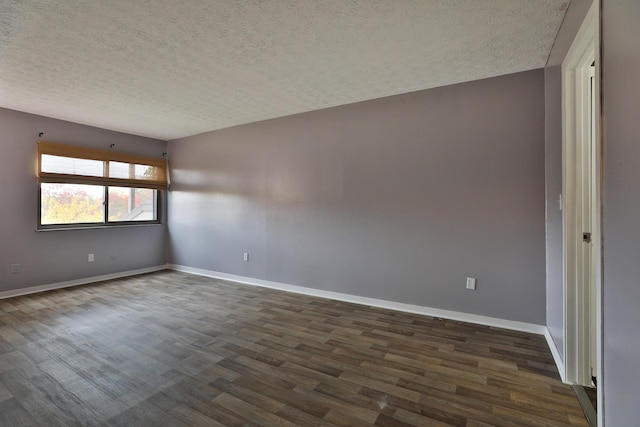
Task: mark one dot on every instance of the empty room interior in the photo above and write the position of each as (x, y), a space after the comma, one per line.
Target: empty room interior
(340, 213)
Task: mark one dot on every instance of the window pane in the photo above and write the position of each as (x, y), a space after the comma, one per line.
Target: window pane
(71, 203)
(132, 204)
(146, 172)
(132, 171)
(70, 165)
(118, 170)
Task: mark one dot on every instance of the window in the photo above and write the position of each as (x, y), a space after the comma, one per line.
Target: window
(82, 187)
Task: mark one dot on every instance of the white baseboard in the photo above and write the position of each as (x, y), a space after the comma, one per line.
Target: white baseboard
(374, 302)
(77, 282)
(556, 354)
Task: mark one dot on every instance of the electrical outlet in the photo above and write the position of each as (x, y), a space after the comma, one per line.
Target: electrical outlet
(15, 268)
(246, 256)
(471, 283)
(91, 258)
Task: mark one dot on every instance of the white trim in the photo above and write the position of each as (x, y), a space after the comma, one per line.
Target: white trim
(575, 73)
(555, 353)
(373, 302)
(77, 282)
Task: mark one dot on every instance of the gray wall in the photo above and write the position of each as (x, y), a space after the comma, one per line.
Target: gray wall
(399, 198)
(55, 256)
(621, 143)
(553, 167)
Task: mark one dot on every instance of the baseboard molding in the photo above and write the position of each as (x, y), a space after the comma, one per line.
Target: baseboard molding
(77, 282)
(409, 308)
(374, 302)
(556, 354)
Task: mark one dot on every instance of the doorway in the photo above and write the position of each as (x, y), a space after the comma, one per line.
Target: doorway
(582, 242)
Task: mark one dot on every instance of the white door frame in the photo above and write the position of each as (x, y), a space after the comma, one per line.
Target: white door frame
(576, 127)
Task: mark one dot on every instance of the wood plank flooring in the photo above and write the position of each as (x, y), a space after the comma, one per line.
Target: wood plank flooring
(172, 349)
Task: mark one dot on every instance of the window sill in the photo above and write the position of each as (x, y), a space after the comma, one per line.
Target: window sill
(94, 227)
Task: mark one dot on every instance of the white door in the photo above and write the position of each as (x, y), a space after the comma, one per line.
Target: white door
(589, 228)
(594, 227)
(581, 210)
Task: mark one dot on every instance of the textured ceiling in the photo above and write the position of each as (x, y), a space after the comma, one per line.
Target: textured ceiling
(168, 69)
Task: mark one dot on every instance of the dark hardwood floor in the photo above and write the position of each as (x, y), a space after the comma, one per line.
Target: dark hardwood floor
(171, 349)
